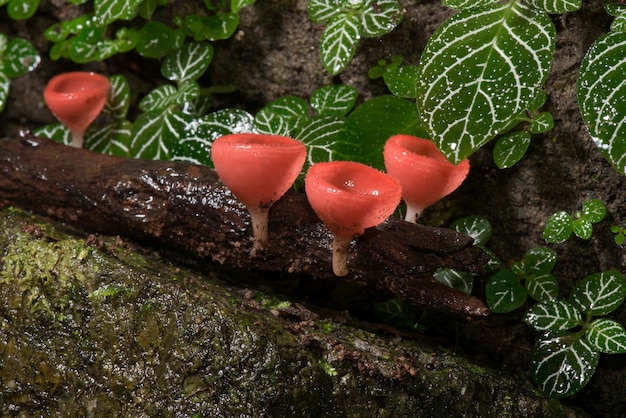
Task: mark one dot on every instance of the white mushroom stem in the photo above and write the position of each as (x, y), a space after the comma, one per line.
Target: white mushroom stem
(259, 218)
(412, 213)
(341, 248)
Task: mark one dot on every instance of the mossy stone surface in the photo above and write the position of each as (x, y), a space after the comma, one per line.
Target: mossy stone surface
(96, 328)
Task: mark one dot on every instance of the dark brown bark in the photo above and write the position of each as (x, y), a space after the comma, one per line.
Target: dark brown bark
(186, 207)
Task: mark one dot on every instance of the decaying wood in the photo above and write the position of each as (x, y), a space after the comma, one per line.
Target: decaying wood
(185, 206)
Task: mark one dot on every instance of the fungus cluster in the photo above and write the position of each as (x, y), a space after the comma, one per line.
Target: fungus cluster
(347, 196)
(259, 169)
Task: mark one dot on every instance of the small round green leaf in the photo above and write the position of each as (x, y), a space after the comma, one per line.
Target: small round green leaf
(558, 228)
(582, 228)
(157, 39)
(22, 9)
(541, 123)
(477, 227)
(504, 293)
(594, 210)
(510, 148)
(401, 80)
(459, 280)
(21, 57)
(540, 260)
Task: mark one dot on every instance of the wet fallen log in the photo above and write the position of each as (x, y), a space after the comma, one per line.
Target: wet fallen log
(182, 206)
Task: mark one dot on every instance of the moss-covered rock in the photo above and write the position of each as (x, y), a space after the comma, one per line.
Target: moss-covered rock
(92, 327)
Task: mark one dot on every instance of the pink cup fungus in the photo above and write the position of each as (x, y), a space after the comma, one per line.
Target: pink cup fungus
(423, 171)
(258, 169)
(349, 197)
(76, 99)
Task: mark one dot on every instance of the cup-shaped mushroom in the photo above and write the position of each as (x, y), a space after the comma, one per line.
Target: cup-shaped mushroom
(76, 99)
(423, 171)
(349, 197)
(258, 169)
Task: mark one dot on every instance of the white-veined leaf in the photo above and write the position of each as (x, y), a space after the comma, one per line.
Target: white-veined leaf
(468, 4)
(156, 132)
(556, 6)
(21, 57)
(553, 315)
(562, 365)
(539, 260)
(582, 227)
(607, 336)
(321, 135)
(280, 116)
(22, 9)
(379, 17)
(112, 139)
(56, 132)
(188, 62)
(504, 293)
(339, 42)
(321, 11)
(558, 228)
(159, 98)
(336, 99)
(541, 123)
(601, 91)
(479, 71)
(107, 11)
(5, 83)
(594, 210)
(477, 227)
(543, 287)
(4, 43)
(599, 293)
(119, 99)
(195, 145)
(510, 148)
(459, 280)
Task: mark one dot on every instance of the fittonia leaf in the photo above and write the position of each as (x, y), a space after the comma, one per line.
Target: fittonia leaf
(556, 6)
(335, 99)
(601, 90)
(339, 42)
(5, 82)
(479, 71)
(562, 365)
(195, 145)
(157, 131)
(600, 293)
(468, 4)
(106, 11)
(188, 62)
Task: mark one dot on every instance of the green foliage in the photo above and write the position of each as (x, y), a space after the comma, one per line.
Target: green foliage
(86, 38)
(508, 289)
(479, 228)
(620, 234)
(572, 337)
(561, 225)
(346, 22)
(480, 71)
(17, 57)
(601, 87)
